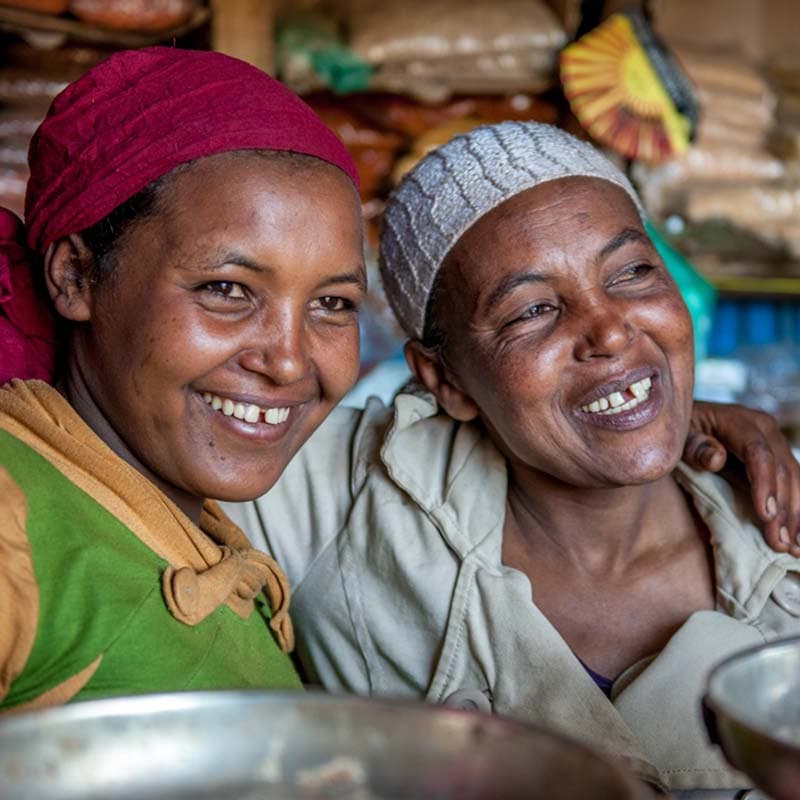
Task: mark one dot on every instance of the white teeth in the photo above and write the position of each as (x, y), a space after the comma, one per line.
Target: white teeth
(616, 399)
(274, 416)
(640, 389)
(616, 402)
(248, 412)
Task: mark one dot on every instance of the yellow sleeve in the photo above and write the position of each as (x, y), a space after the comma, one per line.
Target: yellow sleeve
(19, 592)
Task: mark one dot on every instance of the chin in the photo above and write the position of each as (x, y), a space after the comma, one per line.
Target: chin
(232, 493)
(230, 488)
(651, 465)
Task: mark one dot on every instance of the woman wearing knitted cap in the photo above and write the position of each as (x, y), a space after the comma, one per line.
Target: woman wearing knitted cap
(197, 229)
(523, 536)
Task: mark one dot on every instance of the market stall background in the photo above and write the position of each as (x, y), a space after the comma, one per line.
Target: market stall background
(398, 78)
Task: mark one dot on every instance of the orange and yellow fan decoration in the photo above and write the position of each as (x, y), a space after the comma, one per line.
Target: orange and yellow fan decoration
(627, 91)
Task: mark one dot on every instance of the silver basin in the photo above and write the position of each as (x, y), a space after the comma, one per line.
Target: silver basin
(752, 708)
(253, 745)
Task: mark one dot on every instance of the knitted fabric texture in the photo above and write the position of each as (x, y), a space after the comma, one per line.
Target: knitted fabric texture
(450, 189)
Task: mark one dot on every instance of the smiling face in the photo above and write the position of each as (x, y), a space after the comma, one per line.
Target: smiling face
(566, 335)
(229, 329)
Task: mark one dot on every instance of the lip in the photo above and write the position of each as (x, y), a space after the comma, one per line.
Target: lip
(258, 432)
(255, 400)
(619, 384)
(637, 417)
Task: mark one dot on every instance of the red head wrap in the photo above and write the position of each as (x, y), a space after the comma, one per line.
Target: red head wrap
(122, 125)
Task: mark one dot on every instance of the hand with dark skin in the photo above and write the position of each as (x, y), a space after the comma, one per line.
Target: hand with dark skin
(763, 453)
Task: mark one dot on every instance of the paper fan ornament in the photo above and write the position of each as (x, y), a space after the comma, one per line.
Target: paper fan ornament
(627, 91)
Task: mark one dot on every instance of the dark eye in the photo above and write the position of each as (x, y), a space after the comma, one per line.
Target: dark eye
(332, 303)
(230, 290)
(636, 272)
(536, 311)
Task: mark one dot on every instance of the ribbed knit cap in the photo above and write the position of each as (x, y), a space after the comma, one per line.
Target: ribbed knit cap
(450, 189)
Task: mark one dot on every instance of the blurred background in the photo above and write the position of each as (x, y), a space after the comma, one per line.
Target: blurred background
(698, 102)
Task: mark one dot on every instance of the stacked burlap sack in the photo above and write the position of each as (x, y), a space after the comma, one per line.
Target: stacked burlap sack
(436, 48)
(427, 49)
(731, 172)
(784, 74)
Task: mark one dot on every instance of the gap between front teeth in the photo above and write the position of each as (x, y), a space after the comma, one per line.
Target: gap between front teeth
(615, 403)
(246, 411)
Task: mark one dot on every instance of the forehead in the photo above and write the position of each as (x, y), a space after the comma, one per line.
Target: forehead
(287, 172)
(562, 231)
(273, 197)
(566, 214)
(299, 224)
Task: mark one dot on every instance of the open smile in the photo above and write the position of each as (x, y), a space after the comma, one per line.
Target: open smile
(247, 412)
(625, 400)
(625, 404)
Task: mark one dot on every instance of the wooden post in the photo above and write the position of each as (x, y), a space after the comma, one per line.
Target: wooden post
(244, 29)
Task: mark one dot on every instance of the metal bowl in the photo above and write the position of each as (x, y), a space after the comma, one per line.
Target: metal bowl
(253, 745)
(752, 709)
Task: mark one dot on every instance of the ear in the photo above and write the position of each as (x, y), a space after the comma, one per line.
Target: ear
(67, 270)
(432, 373)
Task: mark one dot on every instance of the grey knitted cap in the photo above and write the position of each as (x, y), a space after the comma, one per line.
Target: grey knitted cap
(455, 185)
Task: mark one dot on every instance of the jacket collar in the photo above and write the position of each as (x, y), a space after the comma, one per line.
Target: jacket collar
(450, 469)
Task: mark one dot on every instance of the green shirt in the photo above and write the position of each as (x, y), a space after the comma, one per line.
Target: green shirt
(100, 595)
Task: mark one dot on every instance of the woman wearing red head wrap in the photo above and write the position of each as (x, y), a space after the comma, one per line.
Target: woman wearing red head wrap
(197, 229)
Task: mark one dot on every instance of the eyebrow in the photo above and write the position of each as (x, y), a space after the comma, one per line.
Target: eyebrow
(356, 277)
(621, 239)
(512, 282)
(240, 259)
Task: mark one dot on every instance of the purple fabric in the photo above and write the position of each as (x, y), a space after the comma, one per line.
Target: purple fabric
(605, 684)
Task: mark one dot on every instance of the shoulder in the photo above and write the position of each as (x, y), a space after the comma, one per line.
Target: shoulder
(751, 578)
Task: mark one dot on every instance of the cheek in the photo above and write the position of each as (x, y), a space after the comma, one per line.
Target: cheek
(337, 358)
(530, 371)
(669, 322)
(679, 332)
(516, 391)
(171, 347)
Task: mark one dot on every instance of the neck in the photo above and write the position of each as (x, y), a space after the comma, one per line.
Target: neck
(602, 530)
(78, 392)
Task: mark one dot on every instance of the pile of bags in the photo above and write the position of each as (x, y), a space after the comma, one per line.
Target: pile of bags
(426, 49)
(437, 48)
(732, 173)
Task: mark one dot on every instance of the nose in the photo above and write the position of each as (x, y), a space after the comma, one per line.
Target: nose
(605, 331)
(278, 350)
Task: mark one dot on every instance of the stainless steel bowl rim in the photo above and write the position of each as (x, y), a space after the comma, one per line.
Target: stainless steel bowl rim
(719, 707)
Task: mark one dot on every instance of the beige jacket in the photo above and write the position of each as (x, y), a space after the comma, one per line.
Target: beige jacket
(389, 525)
